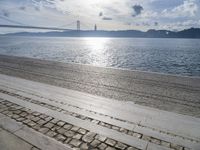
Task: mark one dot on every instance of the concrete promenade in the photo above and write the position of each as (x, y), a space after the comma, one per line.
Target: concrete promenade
(42, 114)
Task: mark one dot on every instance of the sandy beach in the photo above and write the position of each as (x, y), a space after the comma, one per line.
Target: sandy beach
(165, 92)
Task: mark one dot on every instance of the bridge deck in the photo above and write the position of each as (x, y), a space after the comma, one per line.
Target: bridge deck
(51, 117)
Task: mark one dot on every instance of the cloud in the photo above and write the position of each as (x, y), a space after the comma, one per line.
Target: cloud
(22, 8)
(122, 14)
(155, 23)
(137, 10)
(37, 8)
(188, 8)
(107, 18)
(145, 24)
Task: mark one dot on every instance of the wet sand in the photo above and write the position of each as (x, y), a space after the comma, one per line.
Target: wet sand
(166, 92)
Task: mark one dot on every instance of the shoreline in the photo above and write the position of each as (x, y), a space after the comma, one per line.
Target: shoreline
(173, 93)
(4, 35)
(106, 67)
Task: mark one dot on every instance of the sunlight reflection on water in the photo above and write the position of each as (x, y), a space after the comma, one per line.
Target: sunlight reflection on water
(98, 47)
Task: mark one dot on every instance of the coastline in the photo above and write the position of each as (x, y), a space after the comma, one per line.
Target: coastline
(162, 91)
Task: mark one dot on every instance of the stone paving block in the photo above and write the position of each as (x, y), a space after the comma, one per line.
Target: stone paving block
(23, 114)
(30, 116)
(67, 126)
(95, 143)
(110, 148)
(15, 116)
(36, 113)
(54, 121)
(47, 118)
(60, 137)
(82, 131)
(100, 138)
(87, 138)
(77, 136)
(84, 146)
(41, 122)
(17, 112)
(75, 142)
(37, 127)
(20, 119)
(120, 146)
(68, 139)
(51, 133)
(102, 146)
(110, 142)
(69, 133)
(55, 128)
(35, 119)
(61, 130)
(26, 121)
(75, 128)
(31, 123)
(43, 130)
(60, 123)
(49, 125)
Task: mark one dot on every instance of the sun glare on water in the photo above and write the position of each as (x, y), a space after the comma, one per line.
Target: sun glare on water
(98, 50)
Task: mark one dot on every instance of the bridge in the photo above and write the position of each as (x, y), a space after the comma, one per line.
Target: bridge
(16, 24)
(33, 27)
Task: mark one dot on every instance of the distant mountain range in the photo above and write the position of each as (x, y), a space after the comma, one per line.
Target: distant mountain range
(187, 33)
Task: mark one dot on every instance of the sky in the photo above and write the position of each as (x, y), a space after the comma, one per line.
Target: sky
(107, 14)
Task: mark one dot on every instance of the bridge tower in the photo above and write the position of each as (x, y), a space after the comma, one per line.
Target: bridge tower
(95, 27)
(78, 25)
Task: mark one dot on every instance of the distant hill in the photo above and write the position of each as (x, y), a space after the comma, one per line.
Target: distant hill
(187, 33)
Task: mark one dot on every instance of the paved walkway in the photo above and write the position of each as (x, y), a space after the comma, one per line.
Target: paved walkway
(9, 141)
(50, 117)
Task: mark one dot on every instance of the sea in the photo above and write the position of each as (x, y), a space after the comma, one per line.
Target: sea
(171, 56)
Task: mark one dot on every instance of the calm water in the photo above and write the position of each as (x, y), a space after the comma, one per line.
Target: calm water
(174, 56)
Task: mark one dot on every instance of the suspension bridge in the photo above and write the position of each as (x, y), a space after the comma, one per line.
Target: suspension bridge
(77, 24)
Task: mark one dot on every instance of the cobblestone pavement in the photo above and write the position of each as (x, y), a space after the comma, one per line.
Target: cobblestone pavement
(64, 132)
(53, 116)
(166, 92)
(101, 123)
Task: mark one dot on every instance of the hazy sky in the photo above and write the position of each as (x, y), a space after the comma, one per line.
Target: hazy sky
(107, 14)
